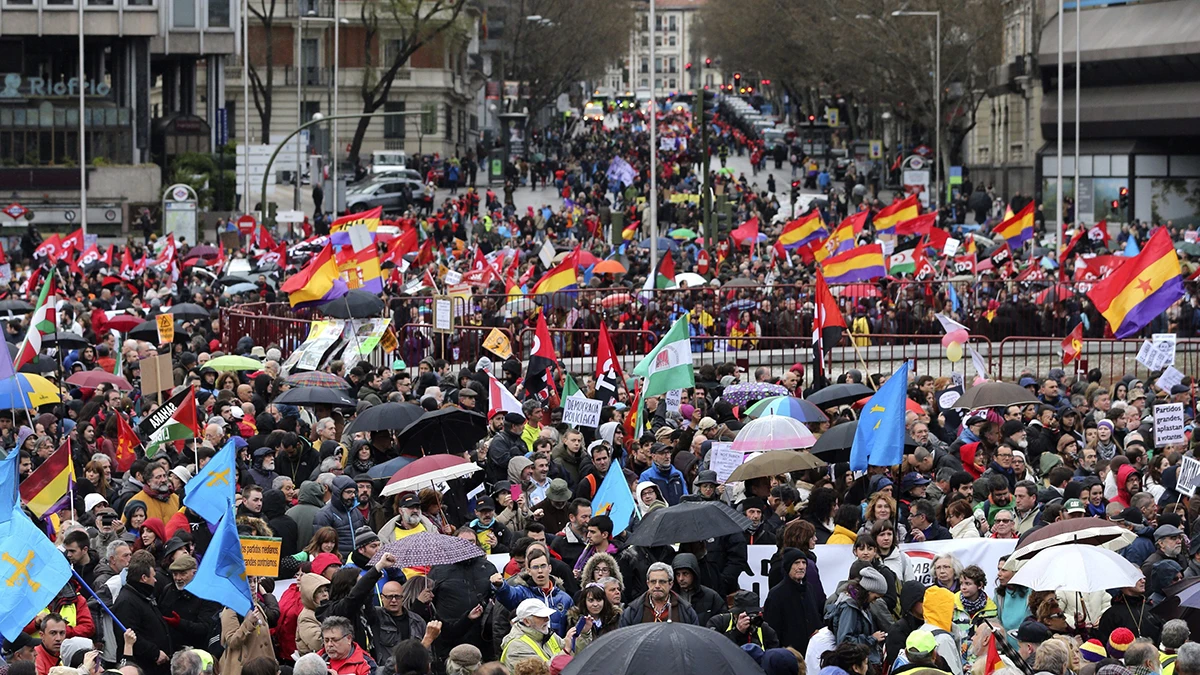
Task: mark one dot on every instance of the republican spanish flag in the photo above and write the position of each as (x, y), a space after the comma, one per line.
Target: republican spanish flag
(863, 263)
(843, 237)
(369, 218)
(319, 281)
(1141, 288)
(45, 490)
(803, 230)
(561, 278)
(905, 209)
(1018, 229)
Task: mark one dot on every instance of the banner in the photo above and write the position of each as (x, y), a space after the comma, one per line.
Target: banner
(261, 555)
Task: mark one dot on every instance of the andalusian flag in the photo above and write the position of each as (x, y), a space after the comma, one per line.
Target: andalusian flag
(175, 420)
(669, 365)
(42, 323)
(570, 387)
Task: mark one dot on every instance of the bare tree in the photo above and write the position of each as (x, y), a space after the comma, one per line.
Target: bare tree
(262, 88)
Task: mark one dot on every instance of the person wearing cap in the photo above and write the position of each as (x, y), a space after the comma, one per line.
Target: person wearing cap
(20, 648)
(670, 481)
(538, 583)
(492, 535)
(340, 513)
(1029, 636)
(1131, 610)
(1168, 544)
(531, 636)
(188, 617)
(938, 612)
(555, 507)
(707, 487)
(262, 469)
(1143, 546)
(506, 445)
(758, 533)
(744, 624)
(920, 652)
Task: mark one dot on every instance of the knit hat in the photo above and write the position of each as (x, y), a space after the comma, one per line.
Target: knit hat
(1093, 651)
(873, 582)
(1119, 641)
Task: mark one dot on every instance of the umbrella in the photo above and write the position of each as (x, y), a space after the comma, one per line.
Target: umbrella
(1187, 248)
(682, 233)
(858, 291)
(686, 522)
(386, 417)
(739, 282)
(65, 339)
(744, 394)
(357, 304)
(312, 396)
(657, 648)
(690, 279)
(426, 549)
(774, 463)
(909, 405)
(40, 366)
(203, 251)
(16, 306)
(616, 299)
(429, 470)
(451, 430)
(1090, 531)
(234, 279)
(609, 267)
(123, 323)
(725, 170)
(240, 288)
(1184, 592)
(839, 394)
(188, 311)
(316, 378)
(773, 432)
(146, 330)
(739, 305)
(995, 395)
(835, 444)
(586, 259)
(788, 406)
(92, 379)
(233, 362)
(1054, 294)
(664, 244)
(27, 391)
(1077, 567)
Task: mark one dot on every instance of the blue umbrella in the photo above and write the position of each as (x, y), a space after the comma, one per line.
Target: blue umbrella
(390, 467)
(664, 244)
(19, 392)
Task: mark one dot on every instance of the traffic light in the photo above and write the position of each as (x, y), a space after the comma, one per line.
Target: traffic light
(795, 190)
(707, 62)
(687, 66)
(737, 80)
(812, 119)
(766, 83)
(708, 107)
(1124, 197)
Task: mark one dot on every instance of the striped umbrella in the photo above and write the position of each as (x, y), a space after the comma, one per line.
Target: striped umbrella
(316, 378)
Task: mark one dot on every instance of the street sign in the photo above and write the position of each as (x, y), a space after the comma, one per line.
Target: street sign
(876, 149)
(831, 116)
(15, 211)
(222, 126)
(246, 224)
(179, 206)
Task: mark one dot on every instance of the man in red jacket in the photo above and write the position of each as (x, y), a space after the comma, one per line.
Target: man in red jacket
(341, 652)
(70, 607)
(54, 631)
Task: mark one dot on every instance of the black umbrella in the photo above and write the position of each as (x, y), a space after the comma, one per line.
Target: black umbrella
(188, 311)
(65, 339)
(451, 430)
(232, 279)
(310, 396)
(834, 445)
(386, 417)
(661, 649)
(40, 366)
(16, 306)
(357, 304)
(688, 521)
(146, 330)
(839, 394)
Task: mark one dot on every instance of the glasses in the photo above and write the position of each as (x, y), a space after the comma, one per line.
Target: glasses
(1004, 520)
(392, 597)
(333, 640)
(1004, 454)
(539, 568)
(658, 582)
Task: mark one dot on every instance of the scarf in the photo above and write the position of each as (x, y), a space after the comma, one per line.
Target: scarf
(973, 606)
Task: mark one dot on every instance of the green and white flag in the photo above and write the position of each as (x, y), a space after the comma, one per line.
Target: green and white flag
(669, 365)
(570, 387)
(902, 261)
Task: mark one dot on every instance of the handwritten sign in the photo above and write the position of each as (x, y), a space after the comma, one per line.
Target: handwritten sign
(261, 555)
(497, 343)
(579, 411)
(1189, 476)
(673, 399)
(1168, 424)
(1170, 377)
(724, 459)
(166, 328)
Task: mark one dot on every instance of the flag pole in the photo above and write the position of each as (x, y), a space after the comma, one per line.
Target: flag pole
(98, 600)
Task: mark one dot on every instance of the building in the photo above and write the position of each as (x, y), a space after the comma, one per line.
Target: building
(676, 45)
(128, 46)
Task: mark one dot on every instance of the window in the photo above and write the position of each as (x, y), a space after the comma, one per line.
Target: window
(658, 83)
(671, 83)
(100, 3)
(644, 82)
(658, 22)
(218, 13)
(670, 40)
(644, 66)
(658, 63)
(658, 41)
(393, 127)
(429, 118)
(139, 3)
(183, 13)
(673, 63)
(671, 23)
(18, 2)
(449, 124)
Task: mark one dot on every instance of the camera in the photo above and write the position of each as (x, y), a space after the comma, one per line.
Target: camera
(756, 620)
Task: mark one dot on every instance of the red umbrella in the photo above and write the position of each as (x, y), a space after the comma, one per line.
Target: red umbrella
(428, 470)
(859, 290)
(909, 406)
(92, 379)
(611, 301)
(123, 323)
(585, 259)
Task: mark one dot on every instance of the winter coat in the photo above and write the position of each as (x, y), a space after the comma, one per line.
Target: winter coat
(357, 662)
(311, 500)
(357, 607)
(387, 533)
(197, 617)
(515, 647)
(851, 623)
(521, 587)
(504, 447)
(1012, 608)
(841, 535)
(704, 600)
(389, 634)
(939, 620)
(965, 529)
(307, 461)
(725, 560)
(680, 611)
(243, 639)
(335, 515)
(615, 571)
(308, 626)
(568, 546)
(1131, 611)
(764, 636)
(274, 507)
(460, 587)
(137, 609)
(671, 483)
(569, 463)
(1141, 548)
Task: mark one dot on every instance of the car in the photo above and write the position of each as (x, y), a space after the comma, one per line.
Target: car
(388, 160)
(410, 175)
(394, 196)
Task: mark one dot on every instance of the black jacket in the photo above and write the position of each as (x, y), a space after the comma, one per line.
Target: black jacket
(763, 636)
(503, 447)
(274, 507)
(137, 608)
(198, 618)
(792, 614)
(299, 469)
(1132, 612)
(634, 612)
(725, 561)
(460, 587)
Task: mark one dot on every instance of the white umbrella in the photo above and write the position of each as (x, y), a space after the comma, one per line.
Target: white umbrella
(690, 279)
(428, 471)
(1079, 568)
(773, 432)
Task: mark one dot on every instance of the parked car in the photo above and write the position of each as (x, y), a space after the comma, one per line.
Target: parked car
(394, 196)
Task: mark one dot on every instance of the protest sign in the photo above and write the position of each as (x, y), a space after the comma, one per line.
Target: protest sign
(582, 412)
(673, 399)
(1170, 377)
(1168, 424)
(443, 315)
(1189, 476)
(261, 555)
(166, 328)
(724, 459)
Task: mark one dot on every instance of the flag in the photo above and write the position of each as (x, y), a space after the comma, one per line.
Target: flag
(1018, 229)
(613, 499)
(366, 258)
(902, 261)
(977, 362)
(1131, 247)
(277, 256)
(665, 277)
(992, 662)
(221, 576)
(950, 325)
(936, 239)
(879, 438)
(6, 372)
(746, 234)
(954, 301)
(175, 420)
(805, 229)
(561, 277)
(1072, 345)
(89, 258)
(40, 324)
(886, 220)
(127, 440)
(608, 369)
(500, 400)
(10, 495)
(541, 360)
(45, 490)
(571, 387)
(317, 282)
(920, 225)
(669, 365)
(210, 493)
(1099, 232)
(863, 263)
(828, 323)
(370, 218)
(1141, 288)
(47, 251)
(964, 264)
(632, 424)
(128, 271)
(71, 242)
(106, 259)
(32, 569)
(262, 237)
(843, 237)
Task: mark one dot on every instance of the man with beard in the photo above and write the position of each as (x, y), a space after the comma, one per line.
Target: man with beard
(659, 603)
(1168, 542)
(262, 471)
(705, 601)
(157, 495)
(186, 615)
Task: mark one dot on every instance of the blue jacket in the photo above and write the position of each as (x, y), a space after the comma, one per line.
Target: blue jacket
(518, 588)
(1141, 548)
(672, 484)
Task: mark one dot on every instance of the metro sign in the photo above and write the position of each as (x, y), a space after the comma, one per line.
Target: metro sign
(15, 211)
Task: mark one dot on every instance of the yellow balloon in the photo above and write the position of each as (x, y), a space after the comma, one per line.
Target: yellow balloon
(954, 352)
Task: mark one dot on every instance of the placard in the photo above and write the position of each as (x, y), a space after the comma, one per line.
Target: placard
(1168, 424)
(443, 315)
(1189, 476)
(673, 399)
(1170, 377)
(231, 240)
(388, 342)
(166, 328)
(157, 374)
(322, 336)
(951, 248)
(579, 411)
(497, 343)
(261, 555)
(724, 459)
(452, 278)
(1164, 347)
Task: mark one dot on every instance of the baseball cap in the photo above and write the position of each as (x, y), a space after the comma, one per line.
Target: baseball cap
(182, 473)
(514, 418)
(533, 607)
(1031, 631)
(920, 642)
(911, 480)
(502, 486)
(706, 423)
(410, 501)
(92, 501)
(485, 503)
(1131, 515)
(1026, 381)
(22, 641)
(236, 412)
(1074, 506)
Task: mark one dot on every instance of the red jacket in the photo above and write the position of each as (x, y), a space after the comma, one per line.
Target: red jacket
(83, 626)
(43, 660)
(357, 662)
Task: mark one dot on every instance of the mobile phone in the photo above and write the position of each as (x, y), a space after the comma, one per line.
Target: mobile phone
(515, 491)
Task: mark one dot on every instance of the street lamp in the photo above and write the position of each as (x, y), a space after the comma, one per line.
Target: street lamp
(310, 17)
(937, 101)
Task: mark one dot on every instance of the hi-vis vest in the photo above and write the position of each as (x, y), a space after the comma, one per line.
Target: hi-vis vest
(758, 630)
(553, 643)
(67, 612)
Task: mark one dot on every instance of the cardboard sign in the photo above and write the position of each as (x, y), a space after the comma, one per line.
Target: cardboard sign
(724, 459)
(1164, 346)
(1170, 377)
(452, 278)
(157, 374)
(951, 247)
(1168, 424)
(443, 315)
(582, 412)
(1189, 476)
(232, 240)
(673, 400)
(166, 328)
(261, 555)
(388, 343)
(497, 343)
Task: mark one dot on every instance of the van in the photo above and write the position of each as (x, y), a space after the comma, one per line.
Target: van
(388, 160)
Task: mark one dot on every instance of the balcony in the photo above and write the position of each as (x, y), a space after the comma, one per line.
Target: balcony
(310, 76)
(1003, 78)
(315, 8)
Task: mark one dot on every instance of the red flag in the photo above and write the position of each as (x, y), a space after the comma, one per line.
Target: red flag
(3, 258)
(128, 272)
(542, 360)
(992, 661)
(937, 237)
(1072, 345)
(277, 256)
(919, 225)
(608, 368)
(1002, 261)
(107, 259)
(746, 234)
(634, 402)
(72, 242)
(48, 250)
(32, 282)
(425, 255)
(127, 440)
(406, 243)
(1099, 232)
(263, 238)
(964, 264)
(828, 325)
(89, 257)
(923, 269)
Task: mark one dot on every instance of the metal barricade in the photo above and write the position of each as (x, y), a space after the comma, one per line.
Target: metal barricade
(463, 345)
(576, 347)
(1114, 358)
(264, 329)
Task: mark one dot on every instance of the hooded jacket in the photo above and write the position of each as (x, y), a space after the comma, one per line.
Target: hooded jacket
(308, 626)
(310, 500)
(939, 620)
(1123, 497)
(635, 611)
(515, 647)
(274, 508)
(335, 515)
(911, 593)
(705, 601)
(569, 462)
(789, 609)
(596, 559)
(505, 446)
(670, 482)
(643, 509)
(387, 533)
(521, 587)
(841, 535)
(852, 623)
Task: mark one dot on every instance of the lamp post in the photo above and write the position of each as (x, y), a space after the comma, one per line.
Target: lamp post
(937, 100)
(311, 17)
(82, 137)
(1058, 186)
(653, 121)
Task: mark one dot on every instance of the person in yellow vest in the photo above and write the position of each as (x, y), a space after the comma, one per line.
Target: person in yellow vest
(408, 522)
(861, 329)
(531, 637)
